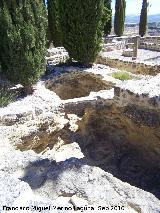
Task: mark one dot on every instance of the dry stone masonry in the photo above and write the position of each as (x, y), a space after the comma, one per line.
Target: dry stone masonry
(118, 52)
(150, 43)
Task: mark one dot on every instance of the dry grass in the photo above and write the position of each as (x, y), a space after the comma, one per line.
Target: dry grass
(122, 76)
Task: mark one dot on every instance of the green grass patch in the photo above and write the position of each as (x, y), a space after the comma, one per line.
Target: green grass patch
(7, 96)
(122, 76)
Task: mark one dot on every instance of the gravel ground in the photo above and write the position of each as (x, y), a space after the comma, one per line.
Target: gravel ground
(150, 86)
(142, 55)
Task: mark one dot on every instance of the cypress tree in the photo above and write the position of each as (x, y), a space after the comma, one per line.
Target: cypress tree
(119, 18)
(53, 23)
(143, 19)
(82, 24)
(108, 25)
(22, 40)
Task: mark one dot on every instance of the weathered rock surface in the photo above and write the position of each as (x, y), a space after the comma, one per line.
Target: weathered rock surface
(110, 140)
(31, 178)
(43, 138)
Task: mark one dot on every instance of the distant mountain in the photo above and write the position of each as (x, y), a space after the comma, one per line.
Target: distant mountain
(135, 19)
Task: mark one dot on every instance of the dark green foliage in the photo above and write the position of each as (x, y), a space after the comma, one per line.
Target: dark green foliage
(143, 19)
(119, 19)
(22, 39)
(53, 23)
(82, 24)
(108, 25)
(7, 96)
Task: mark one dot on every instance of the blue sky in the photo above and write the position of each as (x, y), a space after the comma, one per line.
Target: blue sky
(133, 7)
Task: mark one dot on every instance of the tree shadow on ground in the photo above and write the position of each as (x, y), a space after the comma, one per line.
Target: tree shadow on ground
(40, 171)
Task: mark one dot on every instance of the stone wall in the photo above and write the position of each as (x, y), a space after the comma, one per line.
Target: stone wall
(125, 97)
(56, 55)
(131, 66)
(148, 42)
(115, 43)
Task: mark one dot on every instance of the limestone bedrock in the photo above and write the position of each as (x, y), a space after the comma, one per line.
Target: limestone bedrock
(101, 149)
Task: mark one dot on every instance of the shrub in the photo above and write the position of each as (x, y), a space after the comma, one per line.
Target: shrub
(23, 40)
(82, 23)
(6, 96)
(122, 76)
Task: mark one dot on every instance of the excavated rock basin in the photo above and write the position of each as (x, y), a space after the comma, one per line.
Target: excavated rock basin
(112, 139)
(127, 148)
(122, 140)
(77, 84)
